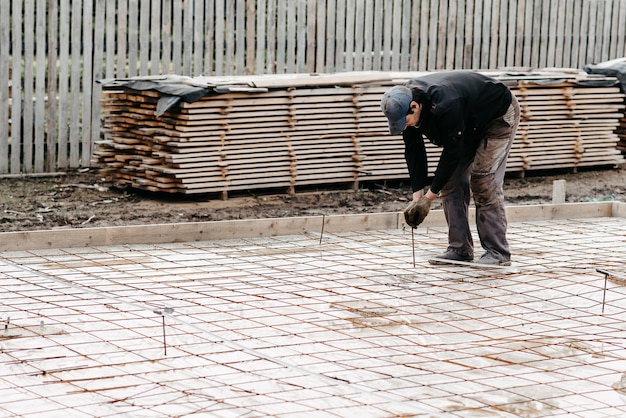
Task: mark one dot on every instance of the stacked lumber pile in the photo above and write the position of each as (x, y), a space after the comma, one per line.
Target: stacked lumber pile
(613, 68)
(269, 132)
(566, 125)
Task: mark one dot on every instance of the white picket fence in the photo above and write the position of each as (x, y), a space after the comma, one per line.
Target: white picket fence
(53, 52)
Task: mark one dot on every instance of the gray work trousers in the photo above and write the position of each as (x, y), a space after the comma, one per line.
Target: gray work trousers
(484, 175)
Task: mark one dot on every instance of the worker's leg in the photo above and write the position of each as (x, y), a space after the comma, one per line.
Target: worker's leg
(456, 197)
(486, 182)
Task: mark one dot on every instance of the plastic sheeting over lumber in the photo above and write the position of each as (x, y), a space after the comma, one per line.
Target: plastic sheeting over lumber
(223, 134)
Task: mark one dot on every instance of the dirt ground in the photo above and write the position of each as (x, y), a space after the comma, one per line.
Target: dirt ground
(85, 199)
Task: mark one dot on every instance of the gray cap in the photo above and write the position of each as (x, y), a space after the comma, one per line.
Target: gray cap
(395, 105)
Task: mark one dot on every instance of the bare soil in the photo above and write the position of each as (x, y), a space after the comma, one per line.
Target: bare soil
(85, 199)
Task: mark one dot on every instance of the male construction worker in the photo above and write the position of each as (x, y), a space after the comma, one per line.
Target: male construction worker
(473, 118)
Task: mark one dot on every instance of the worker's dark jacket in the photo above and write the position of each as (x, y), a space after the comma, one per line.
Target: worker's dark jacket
(456, 107)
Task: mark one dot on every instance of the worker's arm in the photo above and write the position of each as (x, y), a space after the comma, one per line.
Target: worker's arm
(416, 160)
(452, 139)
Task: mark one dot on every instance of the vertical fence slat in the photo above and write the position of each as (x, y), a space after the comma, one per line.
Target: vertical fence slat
(619, 31)
(301, 37)
(583, 33)
(133, 37)
(177, 36)
(551, 34)
(396, 35)
(64, 54)
(452, 21)
(17, 93)
(166, 36)
(209, 37)
(528, 32)
(50, 129)
(405, 39)
(368, 41)
(495, 35)
(544, 30)
(4, 87)
(340, 35)
(387, 16)
(240, 37)
(261, 29)
(459, 32)
(606, 27)
(220, 27)
(122, 31)
(377, 40)
(576, 16)
(595, 30)
(29, 40)
(415, 40)
(98, 54)
(468, 45)
(613, 17)
(75, 78)
(350, 51)
(40, 85)
(503, 34)
(477, 31)
(290, 64)
(358, 35)
(433, 23)
(109, 33)
(330, 36)
(535, 34)
(311, 35)
(477, 51)
(154, 44)
(443, 36)
(486, 40)
(281, 35)
(144, 37)
(198, 39)
(561, 22)
(270, 52)
(567, 14)
(517, 52)
(188, 34)
(321, 37)
(251, 29)
(87, 82)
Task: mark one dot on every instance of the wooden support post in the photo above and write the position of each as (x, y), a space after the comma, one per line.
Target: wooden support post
(558, 191)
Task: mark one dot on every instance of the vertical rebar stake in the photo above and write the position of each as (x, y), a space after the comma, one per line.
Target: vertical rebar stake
(413, 244)
(162, 313)
(323, 222)
(606, 279)
(164, 342)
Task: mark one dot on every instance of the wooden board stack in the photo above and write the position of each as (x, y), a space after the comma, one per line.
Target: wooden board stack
(303, 132)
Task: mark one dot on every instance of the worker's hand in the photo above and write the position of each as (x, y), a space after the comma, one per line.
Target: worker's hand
(418, 195)
(416, 212)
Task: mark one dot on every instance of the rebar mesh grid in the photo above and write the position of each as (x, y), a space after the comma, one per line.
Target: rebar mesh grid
(293, 327)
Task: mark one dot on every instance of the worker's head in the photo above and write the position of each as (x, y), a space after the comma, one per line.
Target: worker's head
(396, 104)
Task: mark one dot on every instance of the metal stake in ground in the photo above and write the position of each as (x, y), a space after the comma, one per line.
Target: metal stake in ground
(413, 244)
(162, 313)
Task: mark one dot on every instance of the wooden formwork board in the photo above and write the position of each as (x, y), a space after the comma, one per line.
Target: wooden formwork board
(216, 230)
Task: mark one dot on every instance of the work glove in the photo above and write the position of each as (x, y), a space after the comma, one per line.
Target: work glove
(416, 212)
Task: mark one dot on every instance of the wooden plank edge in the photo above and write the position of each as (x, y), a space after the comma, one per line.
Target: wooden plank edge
(256, 228)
